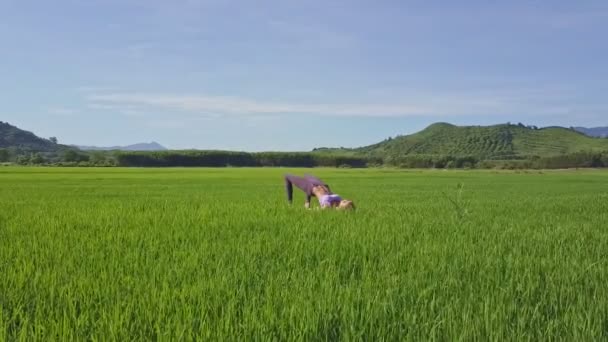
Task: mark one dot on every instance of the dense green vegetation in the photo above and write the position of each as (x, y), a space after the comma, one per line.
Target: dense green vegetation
(216, 254)
(241, 159)
(506, 146)
(13, 137)
(23, 147)
(492, 142)
(336, 159)
(439, 146)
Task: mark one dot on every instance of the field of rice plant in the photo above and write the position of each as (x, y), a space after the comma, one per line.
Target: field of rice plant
(217, 254)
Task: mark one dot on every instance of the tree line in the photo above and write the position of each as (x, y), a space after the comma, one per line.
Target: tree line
(237, 159)
(72, 157)
(563, 161)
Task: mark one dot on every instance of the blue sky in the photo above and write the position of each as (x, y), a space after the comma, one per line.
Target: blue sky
(293, 75)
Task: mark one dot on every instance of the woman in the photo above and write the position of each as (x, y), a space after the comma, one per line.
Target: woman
(313, 186)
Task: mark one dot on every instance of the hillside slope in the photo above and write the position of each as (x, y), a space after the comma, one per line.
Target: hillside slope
(499, 141)
(18, 139)
(11, 136)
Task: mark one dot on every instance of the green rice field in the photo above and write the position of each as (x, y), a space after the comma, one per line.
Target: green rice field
(217, 254)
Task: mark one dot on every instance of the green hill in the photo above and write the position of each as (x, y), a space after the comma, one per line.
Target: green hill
(491, 142)
(17, 142)
(16, 138)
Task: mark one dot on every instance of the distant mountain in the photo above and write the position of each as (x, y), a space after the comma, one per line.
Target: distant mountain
(499, 142)
(19, 140)
(153, 146)
(598, 132)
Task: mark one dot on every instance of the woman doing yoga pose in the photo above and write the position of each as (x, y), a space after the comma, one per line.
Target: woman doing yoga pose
(313, 186)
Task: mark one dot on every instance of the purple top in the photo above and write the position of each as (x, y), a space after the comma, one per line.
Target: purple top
(328, 200)
(305, 184)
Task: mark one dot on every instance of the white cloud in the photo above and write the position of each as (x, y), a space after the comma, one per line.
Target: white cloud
(420, 105)
(62, 111)
(239, 106)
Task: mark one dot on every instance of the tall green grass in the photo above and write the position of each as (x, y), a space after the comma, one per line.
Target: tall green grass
(216, 254)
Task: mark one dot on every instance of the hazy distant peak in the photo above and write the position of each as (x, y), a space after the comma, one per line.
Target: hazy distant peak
(152, 146)
(599, 132)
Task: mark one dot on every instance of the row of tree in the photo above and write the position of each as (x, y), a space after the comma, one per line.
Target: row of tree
(564, 161)
(287, 159)
(64, 157)
(239, 159)
(73, 157)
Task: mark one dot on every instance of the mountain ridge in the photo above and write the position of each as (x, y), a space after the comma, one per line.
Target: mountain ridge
(598, 132)
(502, 141)
(151, 146)
(12, 137)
